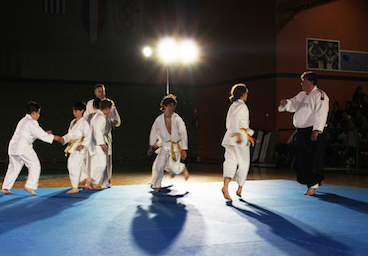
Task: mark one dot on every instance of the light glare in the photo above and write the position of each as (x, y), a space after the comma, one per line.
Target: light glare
(188, 51)
(147, 51)
(167, 49)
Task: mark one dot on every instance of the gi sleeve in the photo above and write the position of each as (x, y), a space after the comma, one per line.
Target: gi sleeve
(320, 111)
(39, 133)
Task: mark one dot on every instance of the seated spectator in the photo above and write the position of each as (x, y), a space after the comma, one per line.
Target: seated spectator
(359, 120)
(365, 106)
(358, 95)
(350, 139)
(345, 118)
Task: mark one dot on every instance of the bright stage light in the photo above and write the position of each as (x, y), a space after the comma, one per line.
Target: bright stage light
(147, 51)
(167, 50)
(188, 51)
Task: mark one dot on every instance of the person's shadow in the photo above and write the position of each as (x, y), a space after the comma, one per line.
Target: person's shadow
(24, 209)
(343, 201)
(297, 233)
(156, 228)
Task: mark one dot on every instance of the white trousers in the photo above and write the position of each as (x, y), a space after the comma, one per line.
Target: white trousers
(237, 162)
(16, 163)
(107, 174)
(75, 162)
(164, 162)
(98, 165)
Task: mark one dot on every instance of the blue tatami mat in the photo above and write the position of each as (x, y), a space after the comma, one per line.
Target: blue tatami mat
(272, 218)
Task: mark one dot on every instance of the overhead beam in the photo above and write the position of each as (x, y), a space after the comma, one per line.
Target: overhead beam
(289, 9)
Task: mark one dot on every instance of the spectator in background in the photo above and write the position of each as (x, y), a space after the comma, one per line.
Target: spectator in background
(360, 120)
(358, 95)
(345, 118)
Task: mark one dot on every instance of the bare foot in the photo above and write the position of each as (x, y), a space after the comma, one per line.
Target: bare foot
(88, 183)
(82, 183)
(6, 192)
(225, 192)
(73, 191)
(156, 190)
(29, 190)
(309, 192)
(186, 173)
(95, 187)
(172, 175)
(238, 192)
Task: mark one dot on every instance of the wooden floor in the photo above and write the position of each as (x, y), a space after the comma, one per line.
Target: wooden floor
(138, 173)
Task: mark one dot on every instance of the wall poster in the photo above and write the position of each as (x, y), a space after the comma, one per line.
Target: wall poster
(323, 54)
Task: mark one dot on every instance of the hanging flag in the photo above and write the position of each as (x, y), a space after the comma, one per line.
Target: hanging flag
(96, 18)
(54, 6)
(125, 19)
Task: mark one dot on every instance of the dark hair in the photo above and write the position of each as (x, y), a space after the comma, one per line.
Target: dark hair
(310, 76)
(79, 106)
(96, 103)
(168, 99)
(104, 104)
(99, 85)
(237, 91)
(32, 107)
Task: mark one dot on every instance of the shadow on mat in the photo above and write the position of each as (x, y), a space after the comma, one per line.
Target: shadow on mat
(156, 228)
(295, 232)
(343, 201)
(23, 210)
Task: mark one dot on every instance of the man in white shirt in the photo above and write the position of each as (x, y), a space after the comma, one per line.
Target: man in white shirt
(310, 108)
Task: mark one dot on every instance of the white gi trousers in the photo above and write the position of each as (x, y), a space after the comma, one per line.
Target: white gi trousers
(237, 162)
(98, 164)
(164, 162)
(75, 162)
(15, 166)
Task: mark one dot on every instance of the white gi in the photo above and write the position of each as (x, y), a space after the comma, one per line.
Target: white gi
(101, 127)
(310, 110)
(170, 142)
(79, 133)
(21, 152)
(114, 116)
(237, 155)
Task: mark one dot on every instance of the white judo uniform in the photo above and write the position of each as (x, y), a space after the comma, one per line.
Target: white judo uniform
(237, 155)
(79, 133)
(169, 154)
(114, 116)
(21, 152)
(101, 127)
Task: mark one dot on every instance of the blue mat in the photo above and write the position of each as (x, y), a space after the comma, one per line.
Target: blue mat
(272, 218)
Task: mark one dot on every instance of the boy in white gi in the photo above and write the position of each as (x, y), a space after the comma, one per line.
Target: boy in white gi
(171, 128)
(237, 140)
(79, 137)
(100, 149)
(21, 150)
(100, 92)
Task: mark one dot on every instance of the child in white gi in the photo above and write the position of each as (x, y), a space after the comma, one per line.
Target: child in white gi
(237, 140)
(79, 138)
(100, 150)
(171, 128)
(21, 150)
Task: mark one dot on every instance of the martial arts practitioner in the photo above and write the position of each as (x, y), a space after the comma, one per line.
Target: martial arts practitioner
(310, 107)
(100, 149)
(171, 128)
(79, 137)
(21, 150)
(100, 92)
(237, 140)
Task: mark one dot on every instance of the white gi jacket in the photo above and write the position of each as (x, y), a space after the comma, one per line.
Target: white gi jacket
(237, 118)
(101, 129)
(26, 132)
(178, 132)
(77, 131)
(114, 115)
(310, 110)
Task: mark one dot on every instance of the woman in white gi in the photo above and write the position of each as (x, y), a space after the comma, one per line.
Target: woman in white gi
(79, 138)
(21, 150)
(236, 140)
(171, 128)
